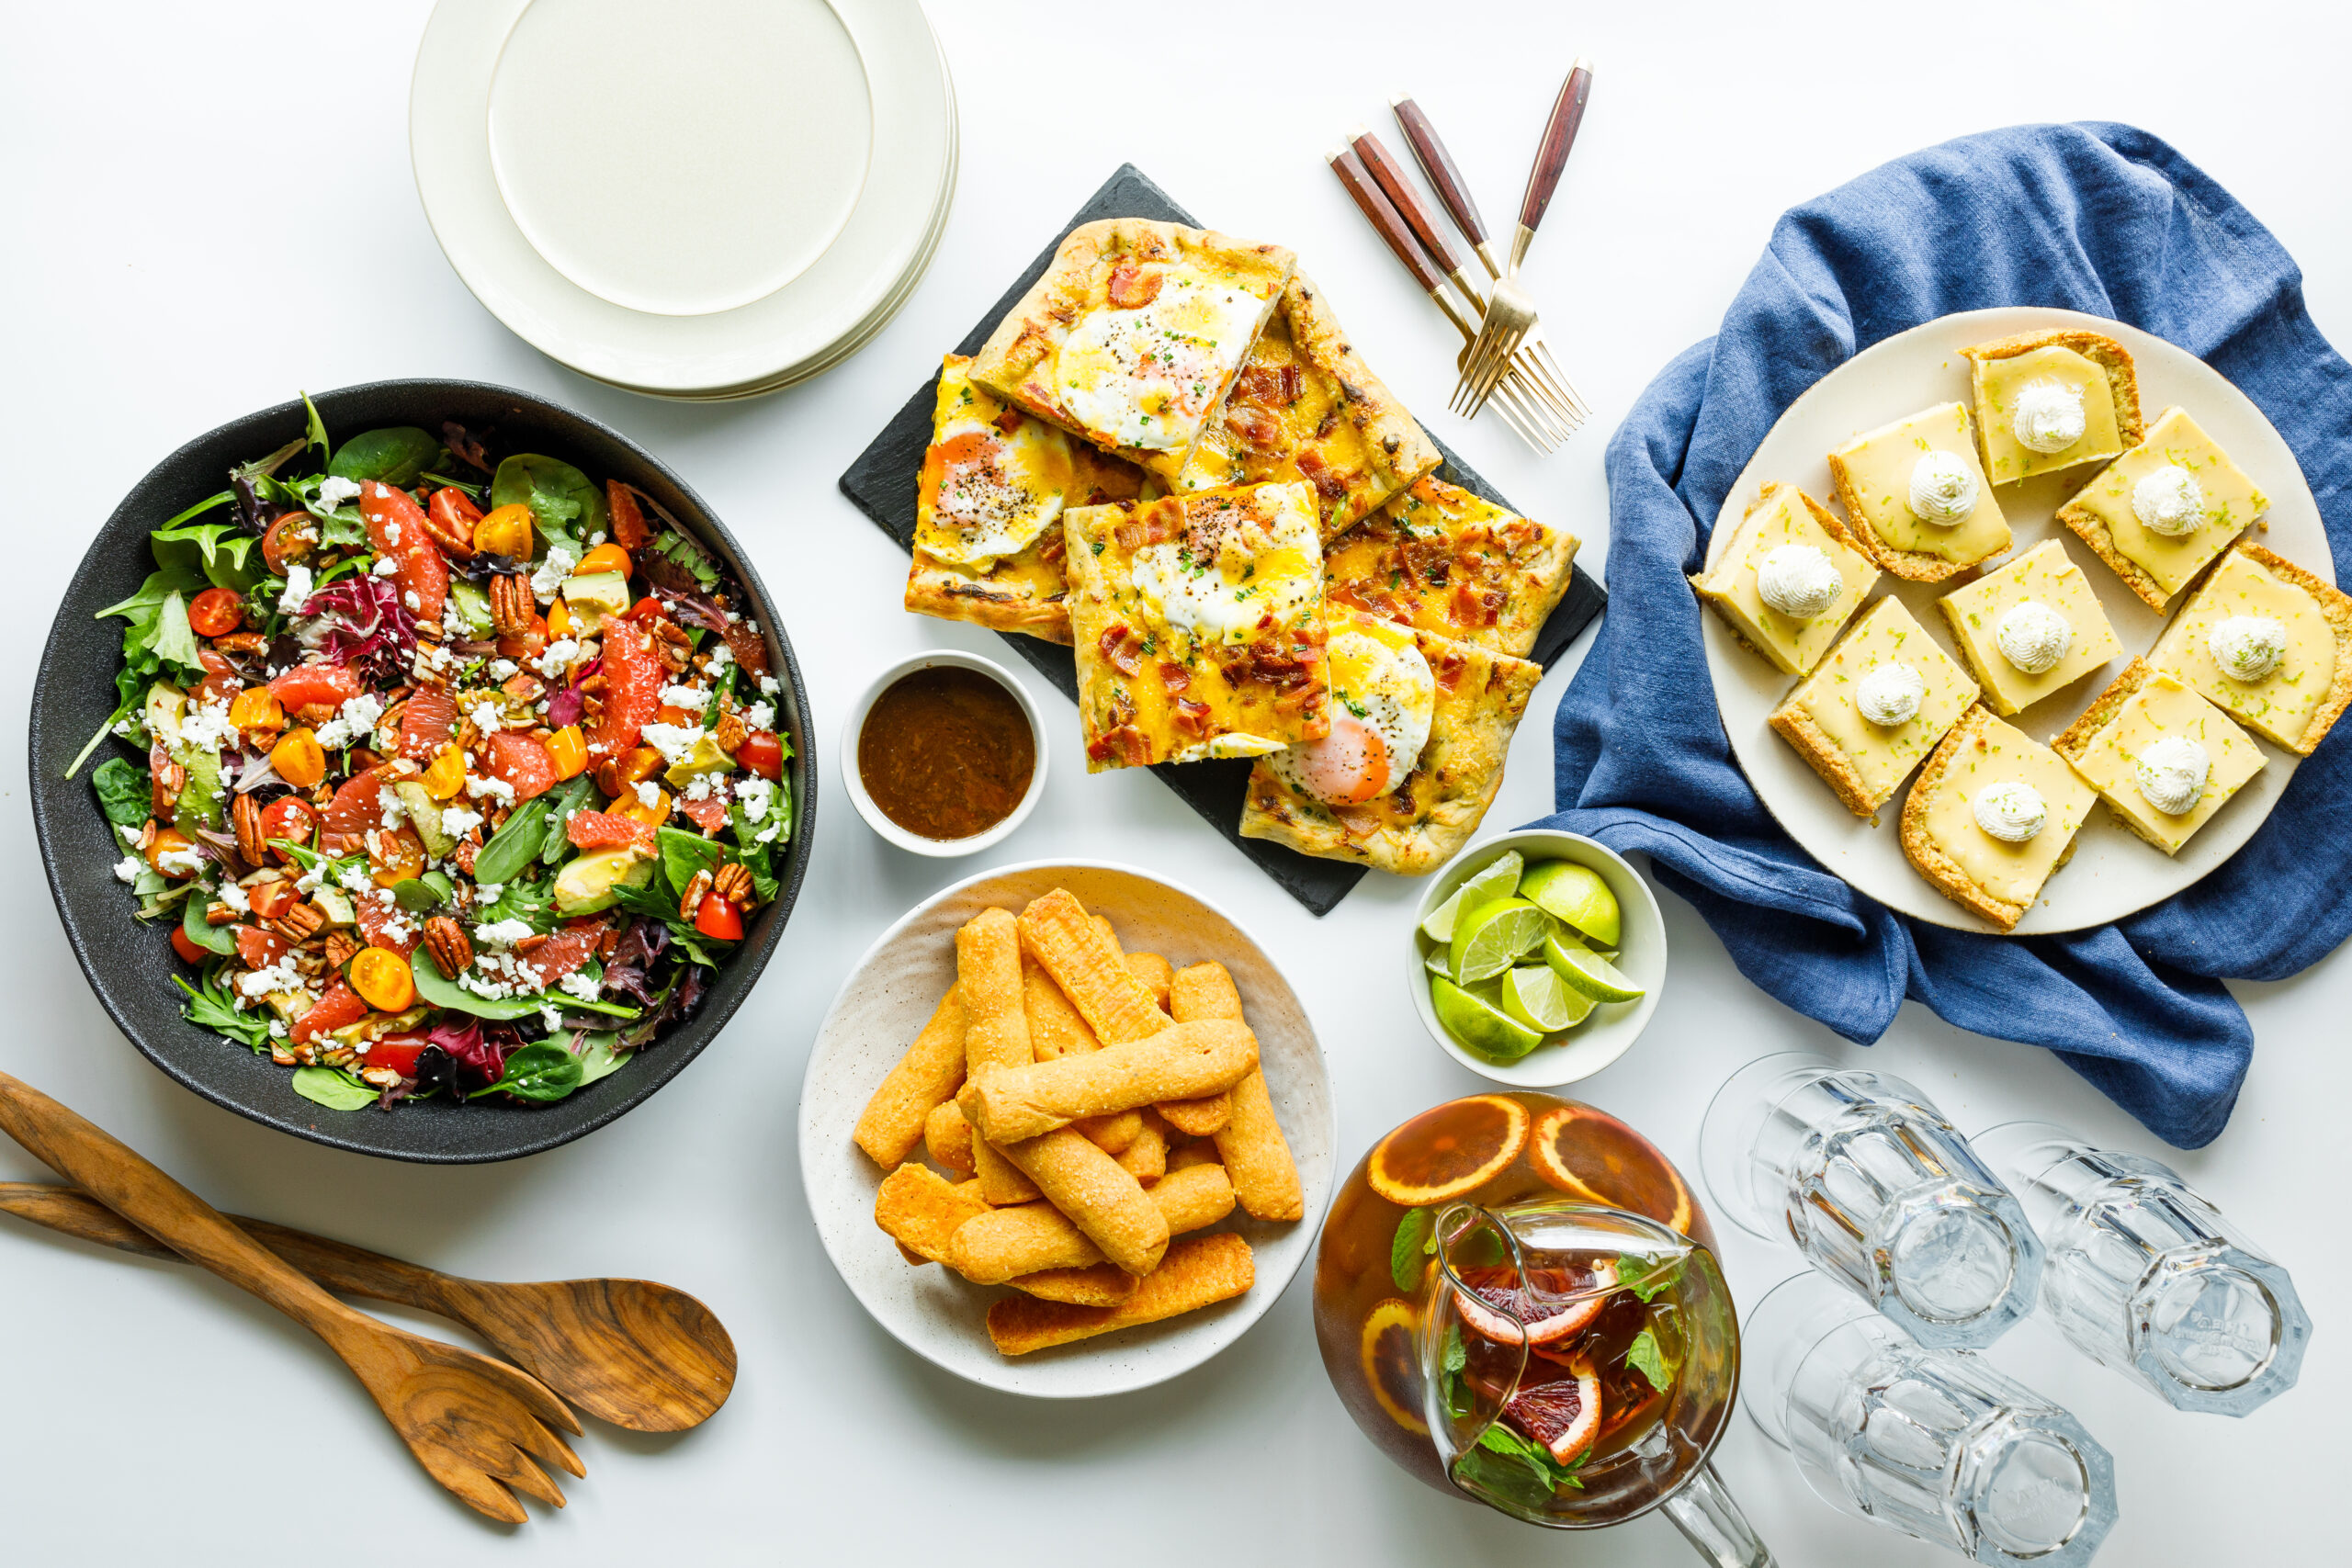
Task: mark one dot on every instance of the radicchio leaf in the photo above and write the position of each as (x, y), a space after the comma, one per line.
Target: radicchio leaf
(360, 622)
(477, 1059)
(566, 706)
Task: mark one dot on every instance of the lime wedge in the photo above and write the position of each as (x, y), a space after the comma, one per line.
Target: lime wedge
(1586, 971)
(1487, 937)
(1439, 961)
(1576, 894)
(1494, 880)
(1536, 998)
(1477, 1025)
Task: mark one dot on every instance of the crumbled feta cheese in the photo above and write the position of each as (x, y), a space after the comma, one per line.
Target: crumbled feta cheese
(487, 718)
(502, 933)
(595, 539)
(766, 835)
(757, 794)
(758, 715)
(581, 985)
(413, 601)
(356, 719)
(180, 863)
(279, 976)
(503, 669)
(552, 1018)
(721, 657)
(487, 892)
(457, 821)
(694, 699)
(235, 897)
(558, 657)
(391, 531)
(699, 786)
(335, 490)
(385, 566)
(277, 1028)
(299, 582)
(476, 788)
(551, 572)
(768, 687)
(309, 881)
(648, 793)
(358, 881)
(674, 741)
(127, 868)
(207, 728)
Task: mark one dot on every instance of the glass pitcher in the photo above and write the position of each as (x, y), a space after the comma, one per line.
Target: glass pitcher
(1516, 1299)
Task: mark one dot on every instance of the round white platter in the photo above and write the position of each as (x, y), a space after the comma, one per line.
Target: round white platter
(699, 199)
(2112, 873)
(883, 1005)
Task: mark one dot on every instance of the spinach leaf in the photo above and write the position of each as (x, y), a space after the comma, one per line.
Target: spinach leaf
(341, 528)
(516, 845)
(540, 1073)
(753, 853)
(208, 1007)
(527, 901)
(333, 1088)
(1415, 1239)
(395, 456)
(418, 894)
(124, 793)
(439, 990)
(221, 940)
(561, 803)
(1645, 1357)
(600, 1056)
(684, 854)
(566, 507)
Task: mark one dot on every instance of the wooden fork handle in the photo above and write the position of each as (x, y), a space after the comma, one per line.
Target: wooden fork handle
(1438, 163)
(1559, 135)
(1389, 175)
(143, 1194)
(1385, 219)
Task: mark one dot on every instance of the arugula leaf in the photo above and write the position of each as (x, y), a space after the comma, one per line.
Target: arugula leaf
(208, 1007)
(333, 1088)
(200, 508)
(316, 431)
(566, 507)
(540, 1073)
(222, 551)
(466, 488)
(124, 793)
(1644, 1357)
(1414, 1240)
(684, 854)
(156, 631)
(395, 456)
(1649, 1277)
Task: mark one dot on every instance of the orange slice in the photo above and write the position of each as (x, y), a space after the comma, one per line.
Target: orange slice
(1590, 1155)
(1392, 1366)
(1447, 1153)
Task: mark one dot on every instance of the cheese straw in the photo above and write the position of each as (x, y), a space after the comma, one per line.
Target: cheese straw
(927, 1076)
(921, 1210)
(1181, 1062)
(996, 1029)
(1146, 1159)
(1200, 1272)
(1005, 1244)
(1265, 1179)
(947, 1138)
(1102, 1200)
(1056, 1031)
(1085, 962)
(1195, 1000)
(1105, 1284)
(1155, 971)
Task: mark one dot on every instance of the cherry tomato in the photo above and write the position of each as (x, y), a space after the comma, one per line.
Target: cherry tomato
(216, 611)
(396, 527)
(451, 517)
(291, 819)
(185, 945)
(398, 1052)
(718, 919)
(221, 684)
(763, 753)
(645, 609)
(271, 899)
(258, 949)
(505, 531)
(297, 759)
(290, 539)
(568, 751)
(604, 557)
(383, 980)
(305, 683)
(526, 647)
(165, 843)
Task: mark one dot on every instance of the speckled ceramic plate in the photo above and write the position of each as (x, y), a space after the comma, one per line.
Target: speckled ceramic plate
(884, 1004)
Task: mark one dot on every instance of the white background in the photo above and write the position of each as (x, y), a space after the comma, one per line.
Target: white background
(210, 206)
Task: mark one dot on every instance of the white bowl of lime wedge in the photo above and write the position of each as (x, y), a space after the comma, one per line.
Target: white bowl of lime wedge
(1537, 957)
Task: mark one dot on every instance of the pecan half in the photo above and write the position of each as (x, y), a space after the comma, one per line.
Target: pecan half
(245, 816)
(733, 883)
(464, 856)
(691, 904)
(300, 924)
(512, 607)
(525, 687)
(446, 939)
(218, 914)
(241, 642)
(341, 948)
(730, 733)
(164, 783)
(671, 645)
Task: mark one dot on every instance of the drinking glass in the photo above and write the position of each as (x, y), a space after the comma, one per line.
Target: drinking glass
(2147, 1277)
(1931, 1442)
(1877, 1189)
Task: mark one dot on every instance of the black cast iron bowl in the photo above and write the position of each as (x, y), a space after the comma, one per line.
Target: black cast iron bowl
(130, 965)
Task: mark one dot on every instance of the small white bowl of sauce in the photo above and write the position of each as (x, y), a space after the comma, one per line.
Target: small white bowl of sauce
(944, 754)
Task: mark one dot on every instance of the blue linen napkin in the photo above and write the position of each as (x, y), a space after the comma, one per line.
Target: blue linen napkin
(2104, 219)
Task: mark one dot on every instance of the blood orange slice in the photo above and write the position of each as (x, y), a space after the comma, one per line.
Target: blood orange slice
(337, 1006)
(1564, 1415)
(632, 688)
(358, 807)
(607, 831)
(426, 723)
(523, 762)
(396, 527)
(559, 956)
(1449, 1152)
(384, 924)
(1494, 1303)
(1392, 1366)
(1592, 1155)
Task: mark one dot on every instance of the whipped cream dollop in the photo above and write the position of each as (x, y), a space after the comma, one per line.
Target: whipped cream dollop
(2169, 501)
(2033, 637)
(1890, 694)
(2172, 774)
(2011, 810)
(1943, 489)
(2049, 416)
(1798, 580)
(2247, 648)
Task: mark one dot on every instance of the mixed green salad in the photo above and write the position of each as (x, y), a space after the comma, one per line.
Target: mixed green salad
(457, 773)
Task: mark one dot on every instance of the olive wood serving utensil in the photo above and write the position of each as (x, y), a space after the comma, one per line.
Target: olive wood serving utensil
(640, 1355)
(472, 1422)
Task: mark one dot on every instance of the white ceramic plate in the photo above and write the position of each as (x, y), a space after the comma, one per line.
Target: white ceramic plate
(884, 1004)
(2112, 873)
(702, 199)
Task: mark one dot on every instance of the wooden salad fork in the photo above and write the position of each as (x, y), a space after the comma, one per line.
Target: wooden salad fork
(640, 1355)
(473, 1422)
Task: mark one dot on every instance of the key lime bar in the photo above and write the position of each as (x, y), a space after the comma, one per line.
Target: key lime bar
(1790, 575)
(2268, 641)
(1995, 812)
(1875, 707)
(2030, 627)
(2165, 508)
(2053, 400)
(2163, 757)
(1918, 495)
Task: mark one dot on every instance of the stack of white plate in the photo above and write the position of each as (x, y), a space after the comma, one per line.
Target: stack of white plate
(689, 198)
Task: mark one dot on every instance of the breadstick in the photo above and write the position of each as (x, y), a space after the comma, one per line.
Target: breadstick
(1155, 971)
(1181, 1062)
(947, 1138)
(1265, 1178)
(1199, 1272)
(1146, 1159)
(1006, 1242)
(927, 1076)
(996, 1029)
(921, 1210)
(1101, 1199)
(1206, 994)
(1087, 964)
(1056, 1031)
(1098, 1286)
(1196, 1153)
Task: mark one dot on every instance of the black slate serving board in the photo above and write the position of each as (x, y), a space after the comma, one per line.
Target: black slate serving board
(882, 483)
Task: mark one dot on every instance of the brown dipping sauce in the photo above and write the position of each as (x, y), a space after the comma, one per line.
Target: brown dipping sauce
(946, 753)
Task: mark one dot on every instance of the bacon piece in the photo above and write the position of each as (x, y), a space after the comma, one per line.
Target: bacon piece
(1123, 649)
(1126, 743)
(1008, 422)
(1328, 484)
(1153, 526)
(1273, 385)
(1132, 287)
(1473, 606)
(1448, 670)
(1254, 427)
(1174, 678)
(1053, 546)
(1190, 715)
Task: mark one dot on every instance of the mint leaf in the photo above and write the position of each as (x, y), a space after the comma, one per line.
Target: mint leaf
(1644, 1357)
(1649, 1277)
(1408, 1248)
(333, 1088)
(1457, 1355)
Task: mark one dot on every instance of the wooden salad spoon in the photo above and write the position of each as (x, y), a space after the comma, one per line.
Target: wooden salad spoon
(472, 1422)
(639, 1355)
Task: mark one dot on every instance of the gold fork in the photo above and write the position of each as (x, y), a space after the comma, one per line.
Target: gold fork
(1511, 334)
(473, 1422)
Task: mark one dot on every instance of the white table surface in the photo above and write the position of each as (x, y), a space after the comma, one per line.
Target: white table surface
(211, 207)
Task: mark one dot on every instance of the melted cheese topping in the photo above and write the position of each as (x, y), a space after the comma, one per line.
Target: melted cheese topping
(1383, 697)
(2048, 574)
(1265, 567)
(986, 493)
(1878, 469)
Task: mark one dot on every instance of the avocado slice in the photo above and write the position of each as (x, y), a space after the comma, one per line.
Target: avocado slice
(587, 884)
(595, 594)
(473, 607)
(424, 815)
(705, 758)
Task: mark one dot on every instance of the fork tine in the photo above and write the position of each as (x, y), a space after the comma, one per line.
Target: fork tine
(1537, 401)
(1490, 368)
(1550, 390)
(1534, 426)
(1543, 351)
(479, 1492)
(523, 1476)
(543, 1442)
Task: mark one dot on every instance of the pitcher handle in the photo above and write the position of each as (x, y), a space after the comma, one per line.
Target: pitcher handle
(1703, 1511)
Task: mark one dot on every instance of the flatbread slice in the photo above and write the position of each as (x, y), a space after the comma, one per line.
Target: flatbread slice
(1445, 560)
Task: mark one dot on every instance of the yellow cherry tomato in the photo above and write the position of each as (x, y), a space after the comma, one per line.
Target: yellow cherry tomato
(559, 619)
(382, 979)
(256, 708)
(652, 816)
(507, 531)
(570, 750)
(166, 840)
(297, 759)
(446, 777)
(604, 557)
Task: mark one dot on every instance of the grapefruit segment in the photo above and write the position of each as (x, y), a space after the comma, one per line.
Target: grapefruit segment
(396, 528)
(357, 806)
(1602, 1160)
(632, 688)
(522, 762)
(1563, 1416)
(427, 720)
(384, 924)
(1494, 1304)
(559, 956)
(1447, 1153)
(1390, 1363)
